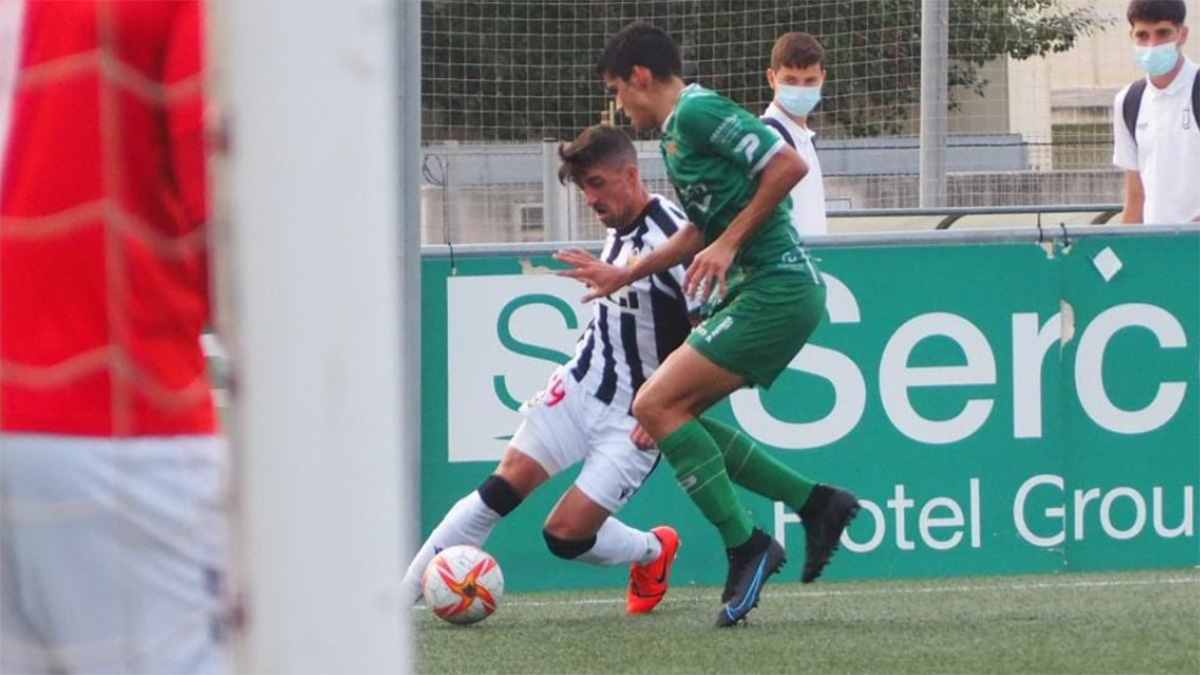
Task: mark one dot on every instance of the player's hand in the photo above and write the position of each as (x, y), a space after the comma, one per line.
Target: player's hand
(708, 270)
(604, 279)
(641, 439)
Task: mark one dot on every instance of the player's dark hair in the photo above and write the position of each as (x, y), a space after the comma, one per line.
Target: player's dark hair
(599, 144)
(797, 50)
(640, 44)
(1154, 11)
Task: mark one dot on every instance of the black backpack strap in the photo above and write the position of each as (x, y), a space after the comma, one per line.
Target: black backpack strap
(1196, 99)
(1131, 106)
(778, 126)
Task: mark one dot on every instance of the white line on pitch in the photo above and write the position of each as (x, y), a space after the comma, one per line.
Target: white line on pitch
(896, 591)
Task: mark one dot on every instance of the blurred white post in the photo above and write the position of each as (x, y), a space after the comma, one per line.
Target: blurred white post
(408, 126)
(556, 197)
(935, 100)
(311, 97)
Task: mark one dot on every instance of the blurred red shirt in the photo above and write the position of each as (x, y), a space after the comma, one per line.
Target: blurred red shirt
(103, 212)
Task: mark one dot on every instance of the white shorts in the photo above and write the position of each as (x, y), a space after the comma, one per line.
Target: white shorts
(564, 425)
(112, 555)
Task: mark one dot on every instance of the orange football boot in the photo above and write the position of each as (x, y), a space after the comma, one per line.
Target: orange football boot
(648, 583)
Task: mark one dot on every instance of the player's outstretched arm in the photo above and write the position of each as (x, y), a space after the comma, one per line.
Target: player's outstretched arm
(605, 279)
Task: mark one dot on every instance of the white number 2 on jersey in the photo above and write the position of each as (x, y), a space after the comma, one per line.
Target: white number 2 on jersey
(748, 146)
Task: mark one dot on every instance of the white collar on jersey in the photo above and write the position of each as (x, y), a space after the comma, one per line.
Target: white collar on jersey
(775, 112)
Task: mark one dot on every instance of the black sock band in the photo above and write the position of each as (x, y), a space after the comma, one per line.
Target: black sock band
(568, 548)
(757, 542)
(499, 495)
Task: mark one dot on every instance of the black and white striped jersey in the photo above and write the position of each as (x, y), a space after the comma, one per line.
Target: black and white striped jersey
(632, 331)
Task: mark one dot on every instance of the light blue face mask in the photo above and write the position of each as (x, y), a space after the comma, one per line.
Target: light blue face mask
(1158, 60)
(797, 100)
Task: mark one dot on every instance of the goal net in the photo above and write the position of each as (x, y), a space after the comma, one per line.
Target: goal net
(1031, 85)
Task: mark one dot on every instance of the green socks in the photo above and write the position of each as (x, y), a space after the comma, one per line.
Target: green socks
(700, 471)
(709, 457)
(755, 469)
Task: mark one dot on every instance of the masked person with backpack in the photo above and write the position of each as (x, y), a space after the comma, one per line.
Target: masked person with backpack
(1156, 122)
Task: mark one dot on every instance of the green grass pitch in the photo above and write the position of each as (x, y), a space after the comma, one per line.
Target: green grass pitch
(1143, 622)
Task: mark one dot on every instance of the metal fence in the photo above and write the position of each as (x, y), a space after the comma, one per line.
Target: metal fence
(929, 103)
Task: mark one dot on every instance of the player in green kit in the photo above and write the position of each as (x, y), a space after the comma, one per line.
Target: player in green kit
(765, 297)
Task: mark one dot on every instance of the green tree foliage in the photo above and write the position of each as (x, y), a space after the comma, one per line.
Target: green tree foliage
(523, 70)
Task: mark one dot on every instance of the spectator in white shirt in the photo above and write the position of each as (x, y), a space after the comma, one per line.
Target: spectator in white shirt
(797, 74)
(1156, 121)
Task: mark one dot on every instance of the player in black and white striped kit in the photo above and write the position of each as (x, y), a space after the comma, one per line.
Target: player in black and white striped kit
(632, 332)
(584, 412)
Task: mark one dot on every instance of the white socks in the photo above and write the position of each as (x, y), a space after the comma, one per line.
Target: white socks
(470, 521)
(620, 544)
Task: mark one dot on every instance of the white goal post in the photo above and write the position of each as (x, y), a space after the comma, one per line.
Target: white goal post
(317, 276)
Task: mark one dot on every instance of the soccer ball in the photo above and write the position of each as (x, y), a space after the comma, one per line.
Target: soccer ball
(463, 585)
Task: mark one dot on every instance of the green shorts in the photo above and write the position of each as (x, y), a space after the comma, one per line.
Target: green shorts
(763, 324)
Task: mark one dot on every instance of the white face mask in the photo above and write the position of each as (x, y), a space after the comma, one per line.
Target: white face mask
(798, 100)
(1159, 59)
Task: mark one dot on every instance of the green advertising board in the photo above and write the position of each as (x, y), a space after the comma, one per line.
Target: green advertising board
(998, 408)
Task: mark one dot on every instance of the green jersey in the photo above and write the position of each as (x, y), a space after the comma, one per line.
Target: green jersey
(715, 152)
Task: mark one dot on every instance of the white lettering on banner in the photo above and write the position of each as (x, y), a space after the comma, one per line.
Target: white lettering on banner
(945, 523)
(490, 366)
(783, 518)
(1109, 502)
(1082, 497)
(1030, 346)
(543, 317)
(1058, 513)
(976, 515)
(1139, 520)
(880, 531)
(927, 522)
(850, 390)
(1089, 362)
(1186, 526)
(896, 377)
(900, 503)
